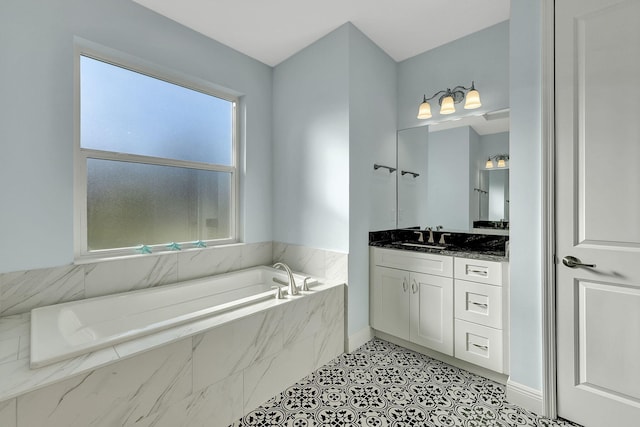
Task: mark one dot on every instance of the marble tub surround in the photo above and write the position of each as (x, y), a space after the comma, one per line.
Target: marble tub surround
(467, 245)
(180, 376)
(22, 291)
(317, 262)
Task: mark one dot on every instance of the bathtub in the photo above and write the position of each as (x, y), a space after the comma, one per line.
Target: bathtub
(63, 331)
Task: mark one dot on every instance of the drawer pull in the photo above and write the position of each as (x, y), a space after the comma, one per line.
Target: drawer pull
(483, 347)
(479, 304)
(483, 273)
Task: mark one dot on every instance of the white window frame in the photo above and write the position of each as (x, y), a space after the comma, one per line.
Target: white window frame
(120, 59)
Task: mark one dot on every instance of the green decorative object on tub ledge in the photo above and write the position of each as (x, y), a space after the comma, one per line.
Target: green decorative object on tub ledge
(143, 249)
(199, 244)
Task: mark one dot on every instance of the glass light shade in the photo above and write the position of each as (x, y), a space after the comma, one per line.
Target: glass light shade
(447, 106)
(472, 100)
(424, 112)
(489, 164)
(501, 163)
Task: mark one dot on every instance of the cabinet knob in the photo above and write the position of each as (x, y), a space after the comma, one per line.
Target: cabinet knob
(404, 284)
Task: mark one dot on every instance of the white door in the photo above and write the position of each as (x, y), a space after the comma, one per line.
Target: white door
(432, 312)
(597, 60)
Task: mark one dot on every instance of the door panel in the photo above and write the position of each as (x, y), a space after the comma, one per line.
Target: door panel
(608, 325)
(391, 313)
(597, 60)
(432, 312)
(608, 98)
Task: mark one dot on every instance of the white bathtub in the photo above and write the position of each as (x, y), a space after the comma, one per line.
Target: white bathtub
(62, 331)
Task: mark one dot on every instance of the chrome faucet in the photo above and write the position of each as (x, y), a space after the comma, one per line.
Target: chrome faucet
(430, 230)
(293, 289)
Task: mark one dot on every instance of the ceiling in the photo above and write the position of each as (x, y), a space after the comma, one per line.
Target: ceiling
(273, 30)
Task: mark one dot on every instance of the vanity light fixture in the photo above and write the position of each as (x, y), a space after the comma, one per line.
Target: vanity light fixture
(448, 98)
(500, 158)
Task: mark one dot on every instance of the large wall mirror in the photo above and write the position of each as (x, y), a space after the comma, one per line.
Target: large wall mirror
(455, 175)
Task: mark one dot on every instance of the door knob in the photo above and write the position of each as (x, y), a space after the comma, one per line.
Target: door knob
(573, 262)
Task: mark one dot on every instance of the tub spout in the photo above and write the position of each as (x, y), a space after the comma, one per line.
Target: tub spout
(293, 289)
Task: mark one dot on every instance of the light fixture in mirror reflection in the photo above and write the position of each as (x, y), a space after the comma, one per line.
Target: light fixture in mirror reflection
(450, 158)
(448, 98)
(501, 160)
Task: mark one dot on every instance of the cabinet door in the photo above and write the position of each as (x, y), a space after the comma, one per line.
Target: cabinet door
(390, 301)
(432, 312)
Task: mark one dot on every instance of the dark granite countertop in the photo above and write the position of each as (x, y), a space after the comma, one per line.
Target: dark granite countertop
(462, 245)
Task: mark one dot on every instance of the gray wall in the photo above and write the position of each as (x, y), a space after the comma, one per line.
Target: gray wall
(372, 132)
(36, 110)
(311, 145)
(334, 109)
(525, 194)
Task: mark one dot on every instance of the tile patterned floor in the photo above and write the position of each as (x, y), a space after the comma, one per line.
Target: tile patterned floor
(384, 385)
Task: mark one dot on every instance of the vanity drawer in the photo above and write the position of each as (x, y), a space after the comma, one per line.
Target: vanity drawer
(478, 303)
(479, 344)
(420, 262)
(478, 270)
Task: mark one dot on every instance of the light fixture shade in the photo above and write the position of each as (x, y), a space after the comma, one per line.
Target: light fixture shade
(447, 106)
(424, 112)
(501, 162)
(489, 164)
(472, 100)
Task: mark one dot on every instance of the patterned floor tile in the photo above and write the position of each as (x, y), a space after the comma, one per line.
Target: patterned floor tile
(384, 385)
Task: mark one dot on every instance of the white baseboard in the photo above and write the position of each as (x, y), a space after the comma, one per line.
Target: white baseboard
(359, 338)
(524, 396)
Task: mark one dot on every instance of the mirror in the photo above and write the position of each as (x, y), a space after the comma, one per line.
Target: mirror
(442, 178)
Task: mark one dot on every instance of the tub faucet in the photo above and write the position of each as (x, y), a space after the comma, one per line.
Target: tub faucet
(293, 289)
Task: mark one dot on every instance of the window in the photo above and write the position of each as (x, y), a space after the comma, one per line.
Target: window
(156, 162)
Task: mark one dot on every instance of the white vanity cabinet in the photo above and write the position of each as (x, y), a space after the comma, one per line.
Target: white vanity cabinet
(412, 297)
(456, 306)
(481, 293)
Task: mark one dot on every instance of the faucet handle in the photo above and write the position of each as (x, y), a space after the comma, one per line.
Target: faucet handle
(439, 227)
(441, 241)
(278, 291)
(305, 284)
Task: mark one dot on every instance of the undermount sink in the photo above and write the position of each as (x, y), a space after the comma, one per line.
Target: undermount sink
(422, 245)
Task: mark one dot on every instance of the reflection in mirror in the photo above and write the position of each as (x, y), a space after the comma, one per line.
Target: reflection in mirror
(494, 195)
(446, 182)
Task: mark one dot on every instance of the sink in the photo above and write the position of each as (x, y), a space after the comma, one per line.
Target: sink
(422, 245)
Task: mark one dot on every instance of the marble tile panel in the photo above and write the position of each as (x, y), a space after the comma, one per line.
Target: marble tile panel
(329, 340)
(269, 376)
(9, 349)
(122, 275)
(18, 377)
(314, 312)
(114, 395)
(301, 258)
(15, 326)
(8, 413)
(24, 290)
(254, 254)
(336, 266)
(235, 346)
(207, 262)
(217, 405)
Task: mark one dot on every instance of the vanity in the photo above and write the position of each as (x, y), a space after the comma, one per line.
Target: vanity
(449, 298)
(445, 291)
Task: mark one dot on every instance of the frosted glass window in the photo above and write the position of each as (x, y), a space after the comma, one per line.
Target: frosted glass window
(157, 162)
(130, 204)
(129, 112)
